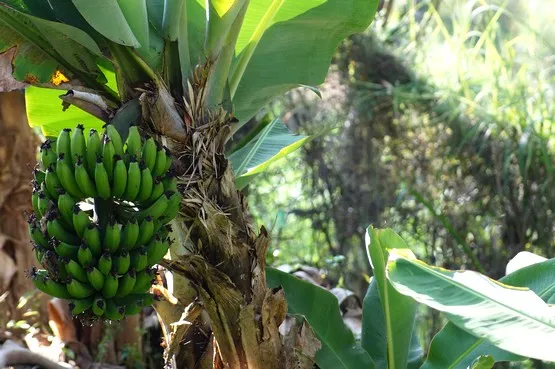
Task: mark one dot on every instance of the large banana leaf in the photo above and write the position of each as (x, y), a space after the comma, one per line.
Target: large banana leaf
(388, 316)
(454, 348)
(514, 319)
(321, 310)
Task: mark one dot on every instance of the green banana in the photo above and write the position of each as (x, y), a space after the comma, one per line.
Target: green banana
(65, 207)
(48, 154)
(96, 279)
(65, 175)
(135, 302)
(84, 255)
(76, 271)
(157, 191)
(168, 159)
(112, 237)
(122, 262)
(101, 179)
(78, 289)
(43, 204)
(133, 307)
(146, 184)
(170, 181)
(172, 210)
(110, 287)
(160, 164)
(35, 201)
(120, 177)
(146, 231)
(156, 250)
(92, 239)
(94, 149)
(149, 153)
(44, 283)
(157, 209)
(77, 145)
(139, 259)
(56, 230)
(37, 236)
(78, 306)
(133, 143)
(114, 136)
(52, 182)
(130, 234)
(66, 250)
(99, 306)
(63, 145)
(39, 175)
(144, 281)
(80, 220)
(105, 263)
(84, 182)
(44, 189)
(133, 180)
(127, 283)
(39, 251)
(114, 312)
(108, 153)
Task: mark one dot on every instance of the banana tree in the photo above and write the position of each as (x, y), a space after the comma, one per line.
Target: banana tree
(190, 73)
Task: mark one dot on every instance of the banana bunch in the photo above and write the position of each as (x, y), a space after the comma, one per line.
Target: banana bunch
(105, 271)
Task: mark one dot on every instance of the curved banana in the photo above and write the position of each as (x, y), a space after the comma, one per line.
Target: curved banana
(94, 149)
(101, 179)
(99, 306)
(156, 250)
(112, 237)
(146, 231)
(37, 236)
(85, 183)
(92, 239)
(139, 259)
(122, 262)
(114, 312)
(108, 153)
(160, 164)
(63, 145)
(133, 143)
(84, 255)
(53, 184)
(80, 220)
(115, 137)
(96, 279)
(111, 284)
(78, 289)
(48, 154)
(65, 207)
(78, 306)
(75, 270)
(133, 180)
(35, 201)
(130, 234)
(120, 177)
(146, 184)
(157, 191)
(65, 175)
(56, 230)
(38, 175)
(105, 263)
(127, 283)
(144, 281)
(172, 210)
(66, 250)
(48, 285)
(170, 181)
(77, 145)
(149, 154)
(43, 204)
(157, 209)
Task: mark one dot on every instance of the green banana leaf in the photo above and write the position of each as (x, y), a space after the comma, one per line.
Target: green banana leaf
(274, 142)
(514, 319)
(321, 310)
(388, 316)
(483, 362)
(454, 348)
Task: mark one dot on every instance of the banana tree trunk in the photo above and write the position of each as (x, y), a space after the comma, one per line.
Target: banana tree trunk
(219, 264)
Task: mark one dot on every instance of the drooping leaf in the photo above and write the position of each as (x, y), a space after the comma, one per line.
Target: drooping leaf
(454, 348)
(106, 17)
(388, 316)
(296, 48)
(135, 13)
(274, 142)
(514, 319)
(321, 310)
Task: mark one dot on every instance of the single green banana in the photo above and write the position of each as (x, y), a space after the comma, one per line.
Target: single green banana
(37, 236)
(156, 250)
(114, 136)
(65, 175)
(112, 237)
(96, 279)
(49, 286)
(111, 284)
(174, 203)
(79, 290)
(43, 204)
(157, 191)
(75, 270)
(44, 189)
(146, 184)
(63, 145)
(144, 281)
(139, 259)
(146, 231)
(160, 164)
(108, 153)
(120, 178)
(80, 220)
(39, 251)
(48, 154)
(79, 306)
(92, 239)
(101, 179)
(170, 181)
(65, 207)
(85, 183)
(84, 255)
(122, 262)
(133, 180)
(127, 283)
(149, 153)
(38, 175)
(78, 146)
(133, 143)
(35, 201)
(53, 184)
(157, 209)
(169, 159)
(130, 234)
(99, 306)
(94, 149)
(105, 263)
(56, 230)
(114, 312)
(66, 250)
